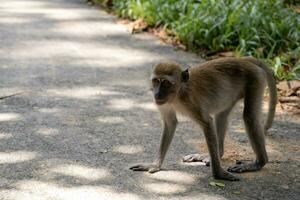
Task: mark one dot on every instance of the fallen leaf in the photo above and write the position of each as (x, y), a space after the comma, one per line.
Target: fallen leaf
(291, 99)
(212, 183)
(294, 85)
(218, 184)
(236, 192)
(283, 85)
(138, 26)
(289, 85)
(161, 33)
(297, 9)
(285, 187)
(227, 54)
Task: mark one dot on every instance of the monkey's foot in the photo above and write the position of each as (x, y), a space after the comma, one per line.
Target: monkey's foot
(243, 166)
(151, 168)
(224, 175)
(196, 157)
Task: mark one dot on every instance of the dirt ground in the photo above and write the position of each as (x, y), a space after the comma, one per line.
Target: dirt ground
(82, 114)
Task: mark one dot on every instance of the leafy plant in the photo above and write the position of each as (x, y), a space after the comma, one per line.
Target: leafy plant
(282, 65)
(264, 29)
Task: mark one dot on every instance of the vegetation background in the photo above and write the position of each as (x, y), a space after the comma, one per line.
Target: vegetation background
(265, 29)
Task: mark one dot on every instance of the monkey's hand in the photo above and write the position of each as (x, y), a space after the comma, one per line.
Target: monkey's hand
(151, 168)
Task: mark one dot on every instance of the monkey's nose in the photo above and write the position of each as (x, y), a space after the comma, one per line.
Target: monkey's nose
(158, 95)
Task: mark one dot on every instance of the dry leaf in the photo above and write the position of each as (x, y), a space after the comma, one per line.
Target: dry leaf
(218, 184)
(138, 26)
(236, 192)
(227, 54)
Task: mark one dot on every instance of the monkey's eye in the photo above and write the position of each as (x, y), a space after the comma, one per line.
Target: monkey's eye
(155, 82)
(166, 83)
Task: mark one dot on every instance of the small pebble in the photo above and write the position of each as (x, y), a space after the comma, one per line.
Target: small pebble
(285, 187)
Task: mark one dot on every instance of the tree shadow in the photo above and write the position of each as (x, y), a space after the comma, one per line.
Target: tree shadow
(86, 114)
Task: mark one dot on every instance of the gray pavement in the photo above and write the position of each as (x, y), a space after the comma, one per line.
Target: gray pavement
(82, 114)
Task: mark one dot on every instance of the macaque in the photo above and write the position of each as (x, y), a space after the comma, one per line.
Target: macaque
(206, 94)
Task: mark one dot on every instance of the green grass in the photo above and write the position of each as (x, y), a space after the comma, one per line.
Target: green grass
(266, 29)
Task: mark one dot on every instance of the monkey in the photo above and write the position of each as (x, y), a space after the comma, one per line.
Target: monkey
(197, 157)
(206, 94)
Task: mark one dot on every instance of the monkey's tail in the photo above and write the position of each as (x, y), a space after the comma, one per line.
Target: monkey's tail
(272, 92)
(272, 98)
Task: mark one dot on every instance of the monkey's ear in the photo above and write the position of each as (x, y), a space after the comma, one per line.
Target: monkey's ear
(185, 76)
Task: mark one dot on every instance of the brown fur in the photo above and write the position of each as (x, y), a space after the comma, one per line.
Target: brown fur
(207, 97)
(167, 68)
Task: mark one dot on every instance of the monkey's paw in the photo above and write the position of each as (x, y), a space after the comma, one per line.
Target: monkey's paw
(196, 157)
(244, 166)
(224, 175)
(151, 168)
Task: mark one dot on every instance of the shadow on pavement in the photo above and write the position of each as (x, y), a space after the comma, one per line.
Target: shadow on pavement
(86, 115)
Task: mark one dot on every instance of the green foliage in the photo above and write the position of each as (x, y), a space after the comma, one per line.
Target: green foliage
(282, 65)
(292, 2)
(154, 12)
(262, 28)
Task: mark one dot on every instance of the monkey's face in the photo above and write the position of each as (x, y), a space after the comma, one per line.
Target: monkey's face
(166, 80)
(164, 89)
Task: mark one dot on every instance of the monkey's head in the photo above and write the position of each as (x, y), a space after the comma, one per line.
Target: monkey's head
(167, 78)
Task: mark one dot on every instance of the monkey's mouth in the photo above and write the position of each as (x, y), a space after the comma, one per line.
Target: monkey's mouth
(160, 101)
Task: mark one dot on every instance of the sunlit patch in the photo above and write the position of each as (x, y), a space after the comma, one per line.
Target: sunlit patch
(9, 117)
(38, 190)
(5, 135)
(239, 130)
(117, 57)
(128, 149)
(22, 4)
(165, 188)
(122, 104)
(87, 55)
(66, 14)
(16, 156)
(126, 104)
(193, 164)
(60, 49)
(81, 93)
(174, 176)
(147, 106)
(7, 91)
(85, 28)
(80, 171)
(35, 7)
(49, 110)
(47, 131)
(111, 120)
(13, 20)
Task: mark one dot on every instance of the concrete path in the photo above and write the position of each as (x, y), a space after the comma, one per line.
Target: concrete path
(82, 114)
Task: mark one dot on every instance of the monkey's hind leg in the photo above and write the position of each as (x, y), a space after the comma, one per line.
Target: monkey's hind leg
(255, 130)
(221, 121)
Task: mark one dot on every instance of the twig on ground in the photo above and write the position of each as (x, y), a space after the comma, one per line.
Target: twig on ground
(11, 95)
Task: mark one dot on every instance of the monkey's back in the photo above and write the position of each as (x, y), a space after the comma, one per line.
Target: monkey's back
(223, 81)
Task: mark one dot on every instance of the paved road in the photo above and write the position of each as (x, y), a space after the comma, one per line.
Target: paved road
(82, 114)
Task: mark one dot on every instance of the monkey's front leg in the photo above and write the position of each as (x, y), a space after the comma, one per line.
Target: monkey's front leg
(213, 148)
(169, 123)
